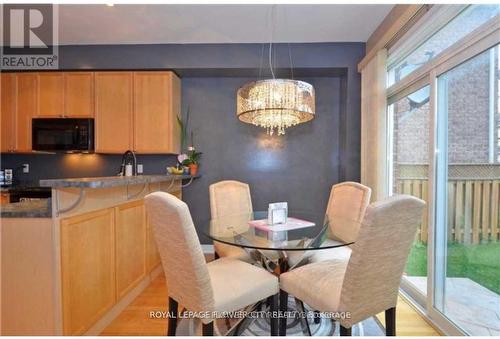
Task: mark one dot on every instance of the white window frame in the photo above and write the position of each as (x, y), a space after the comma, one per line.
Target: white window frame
(476, 42)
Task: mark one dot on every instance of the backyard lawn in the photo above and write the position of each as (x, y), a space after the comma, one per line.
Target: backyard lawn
(480, 263)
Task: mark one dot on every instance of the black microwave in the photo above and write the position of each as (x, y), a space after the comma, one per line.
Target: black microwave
(63, 135)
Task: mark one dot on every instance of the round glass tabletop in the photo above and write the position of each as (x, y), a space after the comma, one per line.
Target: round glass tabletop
(299, 231)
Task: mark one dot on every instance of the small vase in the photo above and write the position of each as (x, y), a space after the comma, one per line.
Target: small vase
(193, 169)
(186, 170)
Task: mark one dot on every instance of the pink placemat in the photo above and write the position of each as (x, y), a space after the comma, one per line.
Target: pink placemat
(291, 224)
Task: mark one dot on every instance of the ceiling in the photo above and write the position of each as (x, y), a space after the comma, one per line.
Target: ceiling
(155, 24)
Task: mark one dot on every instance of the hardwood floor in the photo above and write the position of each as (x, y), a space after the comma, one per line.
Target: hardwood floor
(409, 322)
(135, 320)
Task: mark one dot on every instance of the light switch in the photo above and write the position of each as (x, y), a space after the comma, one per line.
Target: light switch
(26, 168)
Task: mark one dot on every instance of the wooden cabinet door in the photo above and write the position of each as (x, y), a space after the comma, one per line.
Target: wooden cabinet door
(88, 269)
(113, 116)
(152, 255)
(156, 105)
(130, 246)
(50, 94)
(78, 94)
(7, 119)
(26, 107)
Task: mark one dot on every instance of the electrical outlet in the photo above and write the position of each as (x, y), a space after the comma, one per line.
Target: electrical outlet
(26, 168)
(140, 169)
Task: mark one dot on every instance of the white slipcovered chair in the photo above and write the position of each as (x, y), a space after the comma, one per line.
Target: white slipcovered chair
(346, 208)
(223, 285)
(230, 197)
(368, 282)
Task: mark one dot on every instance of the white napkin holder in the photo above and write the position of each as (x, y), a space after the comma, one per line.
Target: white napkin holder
(277, 213)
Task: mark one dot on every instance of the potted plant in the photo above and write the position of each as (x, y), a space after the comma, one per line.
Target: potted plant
(192, 161)
(183, 127)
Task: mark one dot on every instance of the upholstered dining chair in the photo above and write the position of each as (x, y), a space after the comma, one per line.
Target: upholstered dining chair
(368, 282)
(346, 208)
(223, 285)
(230, 197)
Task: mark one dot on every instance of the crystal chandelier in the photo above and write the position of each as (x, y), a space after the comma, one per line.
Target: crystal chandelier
(276, 104)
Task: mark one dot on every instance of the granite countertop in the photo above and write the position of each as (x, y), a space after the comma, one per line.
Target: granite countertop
(27, 209)
(104, 182)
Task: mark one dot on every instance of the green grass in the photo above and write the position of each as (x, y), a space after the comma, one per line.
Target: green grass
(480, 263)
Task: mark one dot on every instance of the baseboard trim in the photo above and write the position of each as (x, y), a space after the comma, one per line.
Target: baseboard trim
(208, 249)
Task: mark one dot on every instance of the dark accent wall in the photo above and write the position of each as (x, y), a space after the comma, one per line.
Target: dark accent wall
(299, 167)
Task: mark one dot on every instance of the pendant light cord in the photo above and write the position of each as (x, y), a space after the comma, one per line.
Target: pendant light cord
(271, 41)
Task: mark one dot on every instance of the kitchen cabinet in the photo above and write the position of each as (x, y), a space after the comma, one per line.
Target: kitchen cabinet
(156, 106)
(88, 269)
(78, 94)
(26, 107)
(8, 114)
(50, 95)
(130, 246)
(133, 110)
(114, 112)
(152, 254)
(65, 94)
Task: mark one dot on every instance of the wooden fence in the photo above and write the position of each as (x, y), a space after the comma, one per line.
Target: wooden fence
(473, 208)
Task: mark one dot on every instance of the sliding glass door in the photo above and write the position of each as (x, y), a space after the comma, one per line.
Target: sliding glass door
(466, 286)
(408, 125)
(443, 146)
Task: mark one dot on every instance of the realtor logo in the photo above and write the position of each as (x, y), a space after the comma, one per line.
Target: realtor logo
(29, 39)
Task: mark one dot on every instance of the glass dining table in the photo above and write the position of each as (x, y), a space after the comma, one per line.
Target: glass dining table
(288, 243)
(280, 248)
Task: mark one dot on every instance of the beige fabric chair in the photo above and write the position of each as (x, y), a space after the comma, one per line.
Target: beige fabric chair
(369, 282)
(230, 197)
(222, 285)
(346, 208)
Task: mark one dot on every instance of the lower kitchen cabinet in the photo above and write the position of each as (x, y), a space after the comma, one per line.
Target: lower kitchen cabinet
(152, 255)
(130, 235)
(104, 255)
(88, 269)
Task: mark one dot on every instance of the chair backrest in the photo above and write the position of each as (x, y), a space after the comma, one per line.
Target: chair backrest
(348, 202)
(229, 197)
(181, 254)
(378, 257)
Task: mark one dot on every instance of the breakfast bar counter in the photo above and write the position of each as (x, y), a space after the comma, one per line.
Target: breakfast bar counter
(91, 246)
(105, 182)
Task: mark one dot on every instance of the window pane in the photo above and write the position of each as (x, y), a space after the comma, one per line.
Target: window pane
(466, 22)
(409, 160)
(468, 196)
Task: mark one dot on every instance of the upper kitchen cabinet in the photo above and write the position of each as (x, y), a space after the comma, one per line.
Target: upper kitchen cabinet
(50, 94)
(114, 111)
(8, 114)
(25, 103)
(78, 94)
(65, 94)
(156, 106)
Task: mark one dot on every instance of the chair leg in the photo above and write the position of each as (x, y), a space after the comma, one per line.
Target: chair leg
(283, 311)
(345, 332)
(390, 322)
(274, 315)
(303, 321)
(317, 318)
(172, 320)
(208, 330)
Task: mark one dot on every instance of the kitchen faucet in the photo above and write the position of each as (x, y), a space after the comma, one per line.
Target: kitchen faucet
(125, 157)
